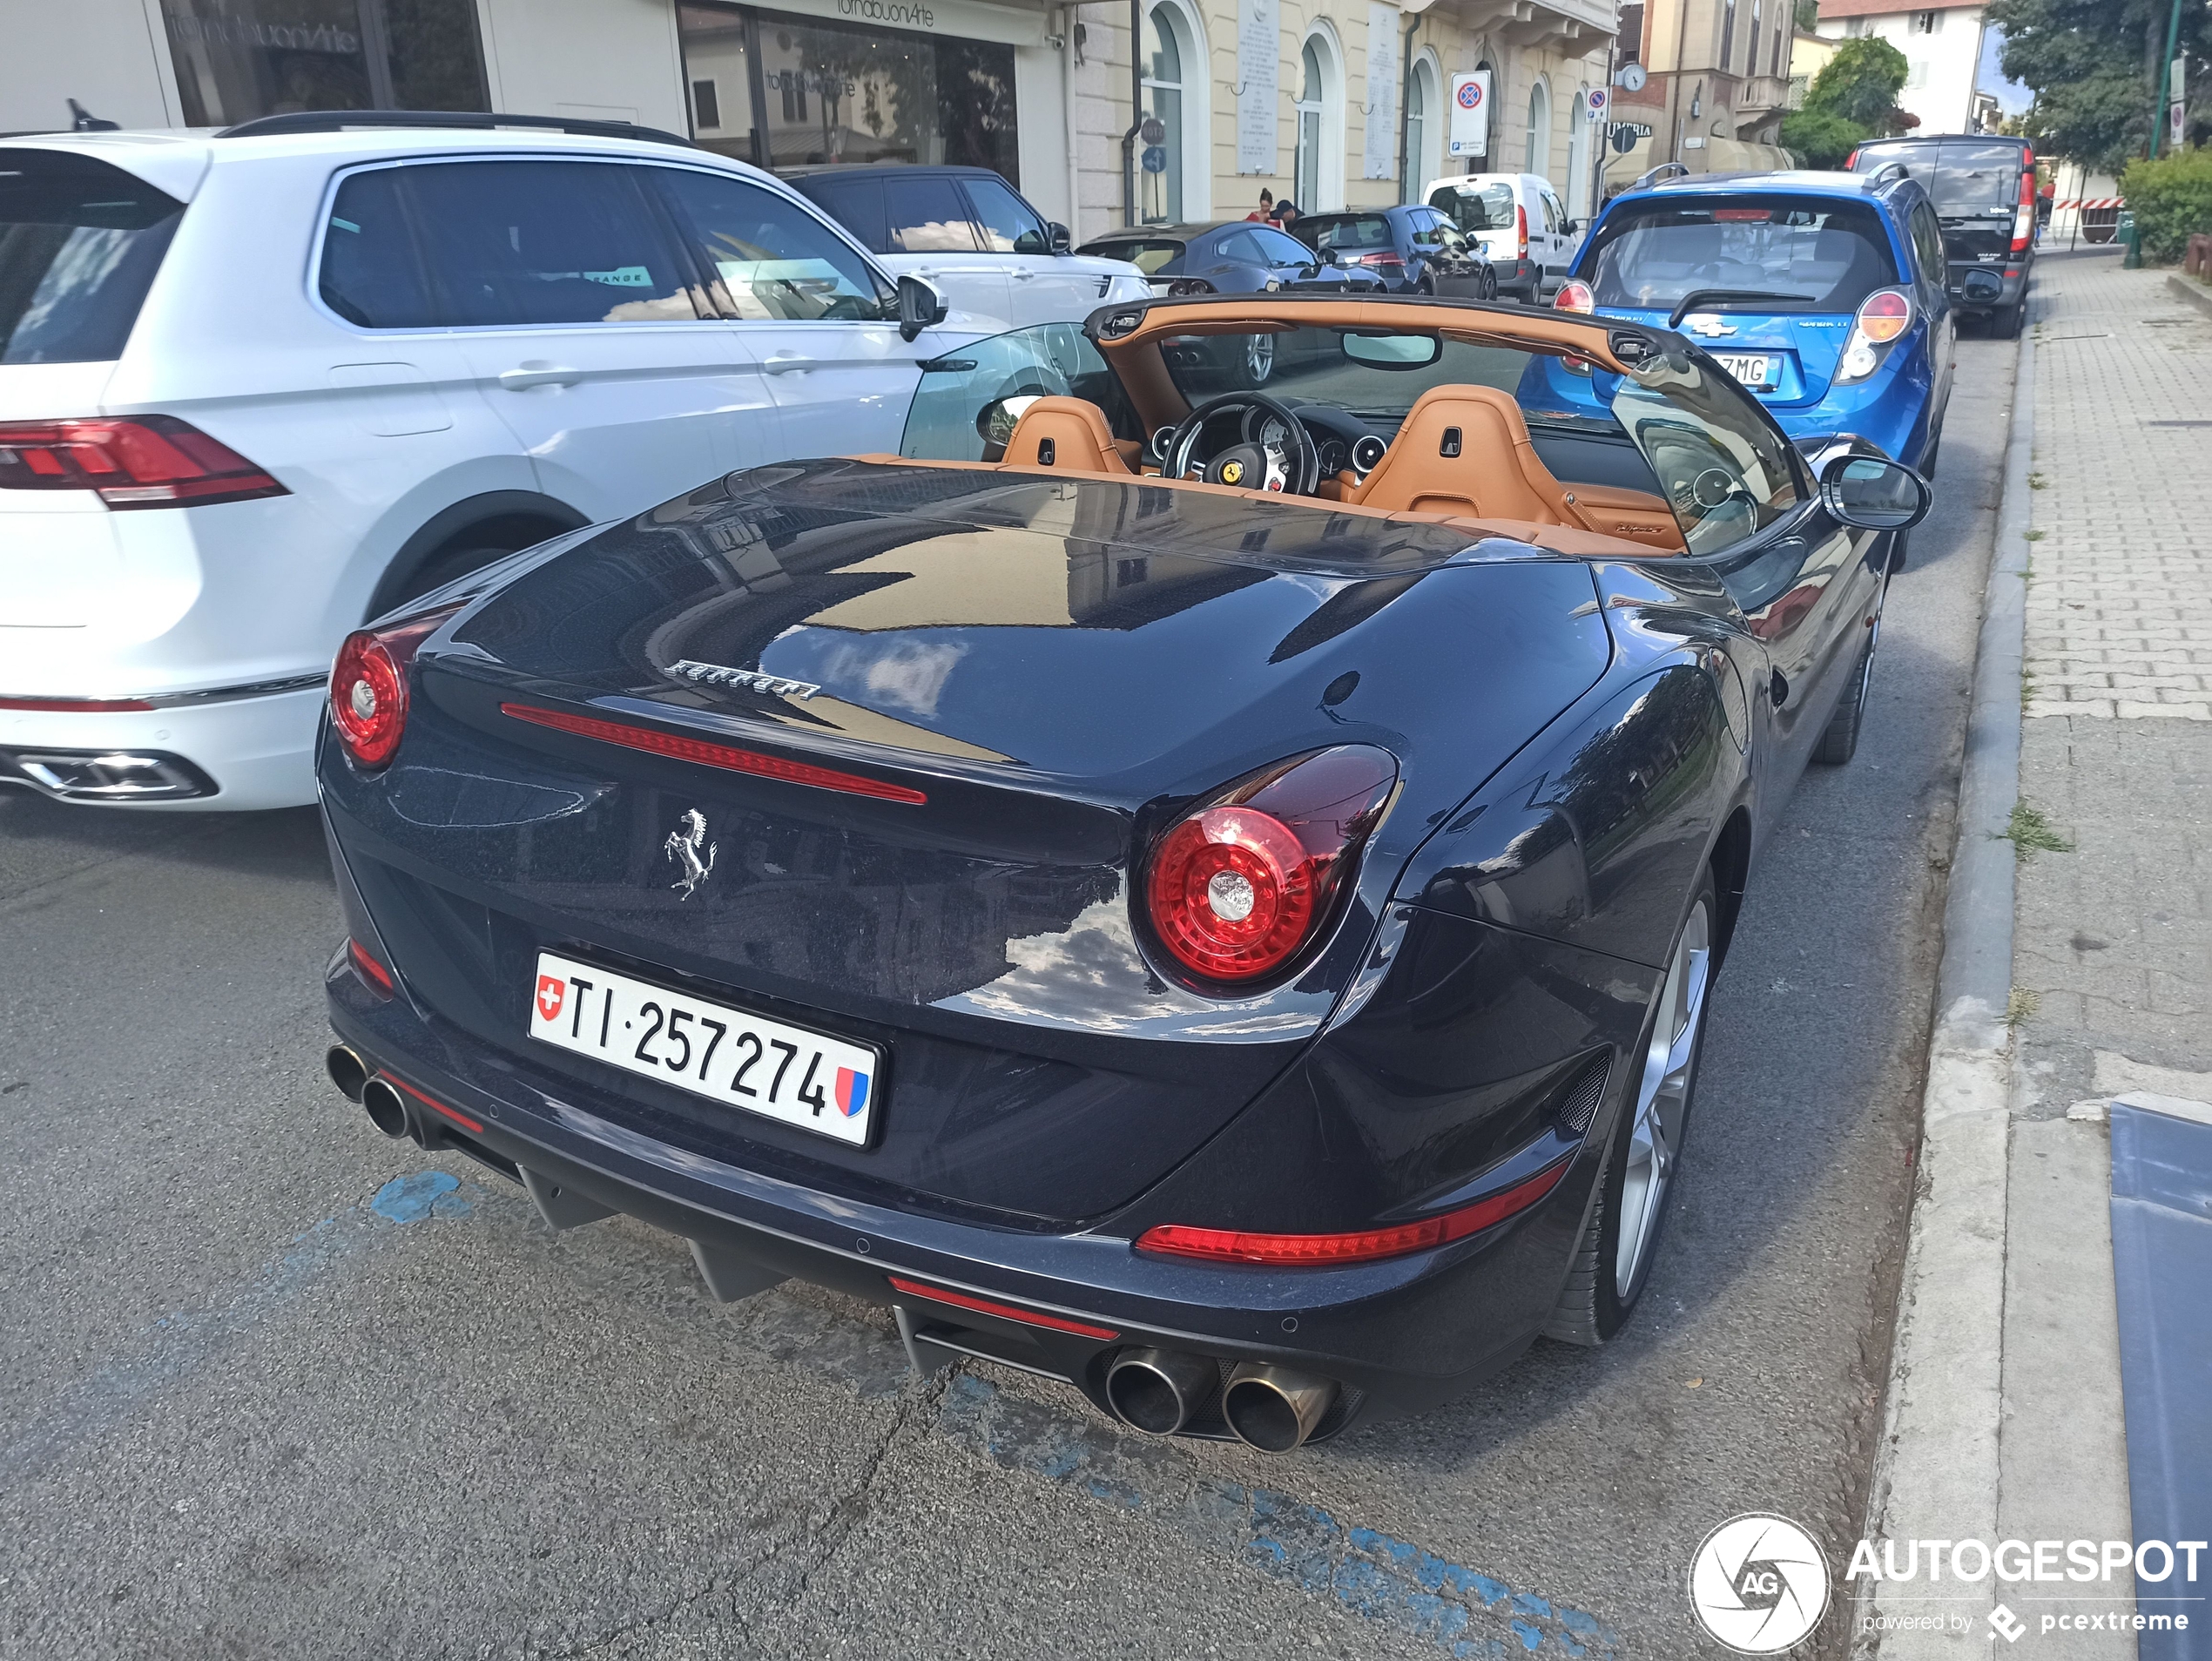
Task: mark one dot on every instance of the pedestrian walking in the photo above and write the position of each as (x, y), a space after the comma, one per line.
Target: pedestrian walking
(1267, 204)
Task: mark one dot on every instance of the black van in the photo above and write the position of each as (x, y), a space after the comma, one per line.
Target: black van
(1983, 186)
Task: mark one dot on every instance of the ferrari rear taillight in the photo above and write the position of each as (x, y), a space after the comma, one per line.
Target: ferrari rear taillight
(1244, 882)
(1363, 1246)
(1883, 317)
(1521, 228)
(133, 461)
(368, 685)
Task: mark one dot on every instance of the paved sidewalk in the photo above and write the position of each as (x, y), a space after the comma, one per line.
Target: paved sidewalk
(2006, 1418)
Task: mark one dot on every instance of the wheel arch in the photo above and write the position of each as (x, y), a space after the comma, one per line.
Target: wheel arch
(503, 512)
(1731, 863)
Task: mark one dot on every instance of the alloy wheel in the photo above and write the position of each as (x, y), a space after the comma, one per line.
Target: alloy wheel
(1662, 1098)
(1259, 357)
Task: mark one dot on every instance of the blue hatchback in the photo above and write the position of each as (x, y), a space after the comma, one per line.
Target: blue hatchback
(1822, 293)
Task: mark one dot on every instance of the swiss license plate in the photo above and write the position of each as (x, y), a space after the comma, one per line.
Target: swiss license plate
(741, 1060)
(1752, 371)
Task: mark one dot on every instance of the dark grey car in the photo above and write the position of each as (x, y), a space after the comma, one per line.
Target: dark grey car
(1240, 257)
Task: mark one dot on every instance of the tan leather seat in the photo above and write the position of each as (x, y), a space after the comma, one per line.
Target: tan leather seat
(1465, 450)
(1064, 432)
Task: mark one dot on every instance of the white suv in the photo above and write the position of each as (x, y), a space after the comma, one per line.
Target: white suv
(256, 387)
(1520, 222)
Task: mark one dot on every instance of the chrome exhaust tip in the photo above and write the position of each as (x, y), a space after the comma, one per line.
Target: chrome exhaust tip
(1158, 1390)
(387, 1108)
(348, 1071)
(1275, 1409)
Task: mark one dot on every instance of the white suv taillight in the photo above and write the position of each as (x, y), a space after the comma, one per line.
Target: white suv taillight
(1883, 316)
(129, 462)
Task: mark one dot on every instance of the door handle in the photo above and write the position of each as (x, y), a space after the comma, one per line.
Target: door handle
(787, 363)
(1023, 275)
(538, 375)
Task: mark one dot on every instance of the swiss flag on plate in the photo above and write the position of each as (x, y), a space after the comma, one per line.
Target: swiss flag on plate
(551, 991)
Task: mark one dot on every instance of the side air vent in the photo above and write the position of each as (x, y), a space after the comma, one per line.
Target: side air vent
(1578, 1102)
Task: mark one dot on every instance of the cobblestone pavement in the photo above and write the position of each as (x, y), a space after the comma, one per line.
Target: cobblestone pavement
(2112, 947)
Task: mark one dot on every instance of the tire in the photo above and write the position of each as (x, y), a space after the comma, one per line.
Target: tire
(451, 566)
(2005, 325)
(1840, 742)
(1490, 285)
(1643, 1150)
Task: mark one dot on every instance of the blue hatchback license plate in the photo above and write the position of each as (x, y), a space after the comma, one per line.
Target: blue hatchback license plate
(1755, 369)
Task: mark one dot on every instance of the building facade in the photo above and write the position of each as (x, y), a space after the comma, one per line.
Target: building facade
(1942, 46)
(1332, 103)
(1716, 84)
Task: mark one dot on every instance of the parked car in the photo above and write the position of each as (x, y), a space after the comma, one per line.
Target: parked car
(1238, 257)
(1519, 223)
(257, 387)
(1983, 189)
(1236, 942)
(973, 235)
(1414, 250)
(1822, 292)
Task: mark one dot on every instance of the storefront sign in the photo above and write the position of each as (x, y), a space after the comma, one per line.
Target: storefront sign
(1385, 48)
(1259, 54)
(1470, 133)
(956, 19)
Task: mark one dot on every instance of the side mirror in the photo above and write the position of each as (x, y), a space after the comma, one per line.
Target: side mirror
(1328, 257)
(1981, 286)
(920, 305)
(1064, 239)
(1874, 494)
(1572, 227)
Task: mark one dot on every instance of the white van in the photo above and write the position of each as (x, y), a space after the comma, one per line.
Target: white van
(1520, 222)
(259, 386)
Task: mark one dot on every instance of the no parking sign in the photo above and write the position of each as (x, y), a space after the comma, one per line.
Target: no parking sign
(1470, 133)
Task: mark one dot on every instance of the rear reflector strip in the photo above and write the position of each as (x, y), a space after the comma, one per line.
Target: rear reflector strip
(77, 705)
(1004, 1310)
(436, 1106)
(714, 755)
(366, 966)
(1316, 1250)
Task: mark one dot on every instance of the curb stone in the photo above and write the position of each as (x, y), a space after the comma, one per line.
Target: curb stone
(1938, 1457)
(2195, 294)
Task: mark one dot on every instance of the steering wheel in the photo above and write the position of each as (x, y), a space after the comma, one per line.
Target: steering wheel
(1253, 464)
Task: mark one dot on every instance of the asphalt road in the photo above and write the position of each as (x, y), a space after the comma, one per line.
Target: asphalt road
(275, 1386)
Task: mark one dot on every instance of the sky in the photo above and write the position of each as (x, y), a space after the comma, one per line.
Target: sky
(2010, 96)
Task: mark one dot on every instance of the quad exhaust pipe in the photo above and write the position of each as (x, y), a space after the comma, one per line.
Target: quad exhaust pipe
(1276, 1408)
(378, 1097)
(1272, 1408)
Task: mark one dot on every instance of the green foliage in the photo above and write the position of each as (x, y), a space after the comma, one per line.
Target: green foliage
(1822, 139)
(1860, 85)
(2031, 833)
(2171, 198)
(2094, 66)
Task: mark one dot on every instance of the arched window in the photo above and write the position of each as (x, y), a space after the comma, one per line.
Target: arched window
(1539, 129)
(1316, 181)
(1579, 131)
(1751, 57)
(1425, 123)
(1306, 171)
(1163, 72)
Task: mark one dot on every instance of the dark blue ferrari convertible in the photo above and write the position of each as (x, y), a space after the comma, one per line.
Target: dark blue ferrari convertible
(1205, 892)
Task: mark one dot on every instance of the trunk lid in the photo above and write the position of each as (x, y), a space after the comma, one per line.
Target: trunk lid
(1052, 664)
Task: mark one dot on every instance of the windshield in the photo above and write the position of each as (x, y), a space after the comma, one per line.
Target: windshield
(1963, 181)
(1810, 253)
(79, 244)
(1346, 231)
(967, 402)
(1475, 207)
(1147, 257)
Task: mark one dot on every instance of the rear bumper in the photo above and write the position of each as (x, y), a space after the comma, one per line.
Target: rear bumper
(219, 754)
(1399, 1335)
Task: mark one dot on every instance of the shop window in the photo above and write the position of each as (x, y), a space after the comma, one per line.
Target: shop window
(1317, 168)
(797, 92)
(239, 59)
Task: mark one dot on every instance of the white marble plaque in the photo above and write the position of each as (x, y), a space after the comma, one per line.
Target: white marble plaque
(1259, 59)
(1385, 49)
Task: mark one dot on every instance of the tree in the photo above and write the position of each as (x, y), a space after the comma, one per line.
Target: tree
(2093, 67)
(1860, 85)
(1822, 139)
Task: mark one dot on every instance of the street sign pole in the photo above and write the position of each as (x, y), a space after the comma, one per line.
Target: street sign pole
(2165, 75)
